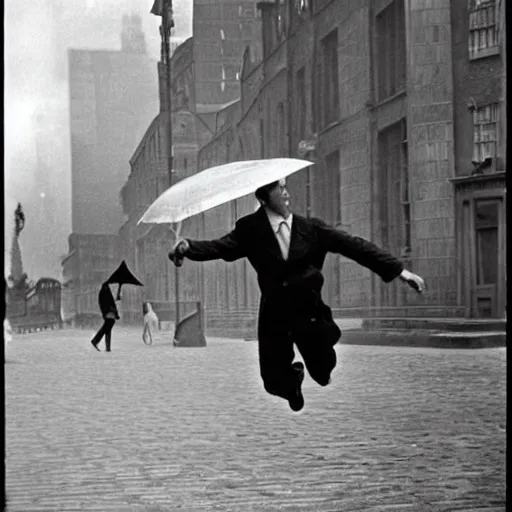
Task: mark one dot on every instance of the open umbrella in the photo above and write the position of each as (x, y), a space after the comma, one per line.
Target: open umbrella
(218, 185)
(123, 275)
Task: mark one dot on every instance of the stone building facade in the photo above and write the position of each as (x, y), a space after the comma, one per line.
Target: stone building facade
(221, 30)
(401, 106)
(479, 185)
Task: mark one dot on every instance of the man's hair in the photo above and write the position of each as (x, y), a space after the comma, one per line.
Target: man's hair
(263, 192)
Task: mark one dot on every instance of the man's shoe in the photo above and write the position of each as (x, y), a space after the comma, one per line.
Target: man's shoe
(296, 401)
(95, 346)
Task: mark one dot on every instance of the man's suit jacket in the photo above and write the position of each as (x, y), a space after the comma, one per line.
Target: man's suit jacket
(291, 289)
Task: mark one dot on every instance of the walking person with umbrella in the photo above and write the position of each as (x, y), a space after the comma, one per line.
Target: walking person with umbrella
(110, 315)
(288, 252)
(108, 306)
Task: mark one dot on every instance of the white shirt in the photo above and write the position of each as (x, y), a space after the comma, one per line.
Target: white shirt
(275, 222)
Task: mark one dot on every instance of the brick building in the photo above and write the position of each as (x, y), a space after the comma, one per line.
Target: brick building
(401, 106)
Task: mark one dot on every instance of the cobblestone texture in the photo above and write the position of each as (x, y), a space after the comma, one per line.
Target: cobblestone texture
(157, 429)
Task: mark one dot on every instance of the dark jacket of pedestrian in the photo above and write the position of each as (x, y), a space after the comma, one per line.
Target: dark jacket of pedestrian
(110, 315)
(107, 303)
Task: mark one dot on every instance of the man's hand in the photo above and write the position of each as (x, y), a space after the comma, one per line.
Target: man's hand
(413, 280)
(177, 253)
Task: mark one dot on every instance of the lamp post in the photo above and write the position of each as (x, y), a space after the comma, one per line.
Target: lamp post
(163, 8)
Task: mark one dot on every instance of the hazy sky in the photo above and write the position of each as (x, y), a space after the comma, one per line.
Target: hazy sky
(37, 36)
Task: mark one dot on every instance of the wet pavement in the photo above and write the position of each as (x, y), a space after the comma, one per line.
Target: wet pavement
(158, 429)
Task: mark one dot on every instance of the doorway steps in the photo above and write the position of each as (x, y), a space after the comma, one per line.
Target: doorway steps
(426, 332)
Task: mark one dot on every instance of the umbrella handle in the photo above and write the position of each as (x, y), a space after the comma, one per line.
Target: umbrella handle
(176, 230)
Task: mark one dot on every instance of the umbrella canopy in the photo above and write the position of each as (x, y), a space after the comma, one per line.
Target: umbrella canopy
(123, 275)
(218, 185)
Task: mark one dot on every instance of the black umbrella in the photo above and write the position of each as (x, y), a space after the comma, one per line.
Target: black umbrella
(123, 275)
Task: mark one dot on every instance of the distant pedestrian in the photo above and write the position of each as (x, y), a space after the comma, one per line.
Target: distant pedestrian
(7, 334)
(110, 315)
(151, 322)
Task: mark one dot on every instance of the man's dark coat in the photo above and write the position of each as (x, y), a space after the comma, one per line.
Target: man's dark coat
(291, 304)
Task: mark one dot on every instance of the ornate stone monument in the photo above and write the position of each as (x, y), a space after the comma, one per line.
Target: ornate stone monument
(17, 281)
(17, 275)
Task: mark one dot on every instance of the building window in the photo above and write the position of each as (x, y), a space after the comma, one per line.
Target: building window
(485, 123)
(326, 190)
(394, 188)
(404, 192)
(262, 139)
(327, 206)
(301, 103)
(486, 227)
(394, 202)
(483, 28)
(280, 20)
(391, 50)
(331, 193)
(330, 87)
(281, 130)
(301, 6)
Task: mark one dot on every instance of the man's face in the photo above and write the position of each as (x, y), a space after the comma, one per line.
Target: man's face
(279, 199)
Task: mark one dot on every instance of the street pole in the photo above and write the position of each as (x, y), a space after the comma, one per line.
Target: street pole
(166, 31)
(167, 24)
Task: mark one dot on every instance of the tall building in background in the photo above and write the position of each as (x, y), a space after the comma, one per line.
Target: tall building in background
(222, 29)
(113, 98)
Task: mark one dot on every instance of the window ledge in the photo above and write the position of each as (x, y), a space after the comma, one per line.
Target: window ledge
(478, 177)
(329, 126)
(389, 99)
(486, 52)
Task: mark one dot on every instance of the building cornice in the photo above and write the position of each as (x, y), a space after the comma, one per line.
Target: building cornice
(475, 178)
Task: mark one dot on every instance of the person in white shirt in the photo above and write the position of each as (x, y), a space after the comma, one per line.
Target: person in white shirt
(288, 252)
(151, 323)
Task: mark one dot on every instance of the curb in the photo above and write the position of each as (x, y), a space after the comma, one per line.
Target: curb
(425, 339)
(418, 338)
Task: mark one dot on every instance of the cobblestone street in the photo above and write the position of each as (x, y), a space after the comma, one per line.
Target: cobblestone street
(157, 429)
